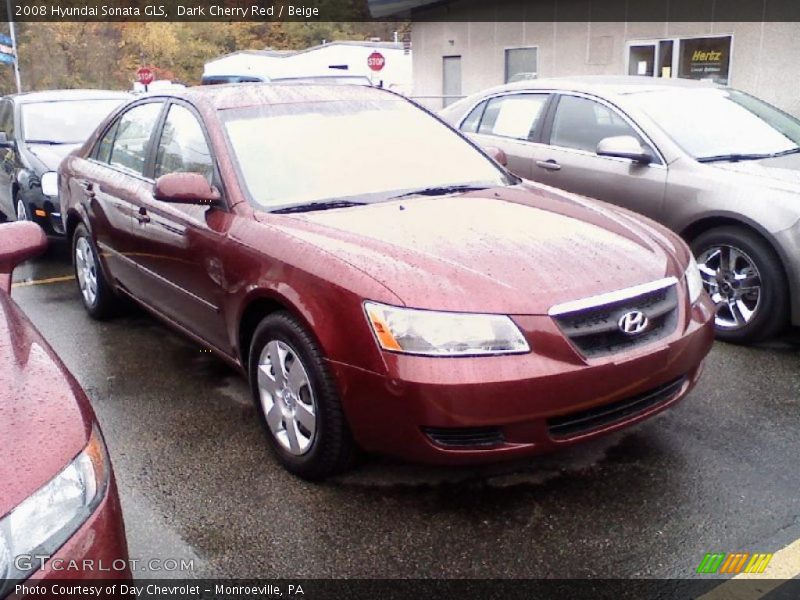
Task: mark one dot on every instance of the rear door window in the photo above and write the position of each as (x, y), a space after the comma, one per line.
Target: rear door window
(514, 116)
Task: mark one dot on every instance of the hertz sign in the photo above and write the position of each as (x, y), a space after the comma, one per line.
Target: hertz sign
(738, 562)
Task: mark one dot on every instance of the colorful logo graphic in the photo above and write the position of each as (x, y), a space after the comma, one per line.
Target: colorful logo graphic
(738, 562)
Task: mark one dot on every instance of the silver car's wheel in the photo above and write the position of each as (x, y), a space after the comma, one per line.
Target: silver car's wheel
(22, 212)
(86, 270)
(287, 397)
(733, 281)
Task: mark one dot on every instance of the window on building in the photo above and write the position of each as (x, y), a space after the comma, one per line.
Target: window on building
(705, 58)
(581, 123)
(520, 64)
(689, 58)
(515, 116)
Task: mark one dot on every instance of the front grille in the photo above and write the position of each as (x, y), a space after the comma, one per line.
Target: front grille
(593, 325)
(576, 423)
(465, 437)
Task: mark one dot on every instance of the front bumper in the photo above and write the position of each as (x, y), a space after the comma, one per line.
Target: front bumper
(523, 397)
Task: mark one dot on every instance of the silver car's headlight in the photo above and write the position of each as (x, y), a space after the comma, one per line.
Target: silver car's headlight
(433, 333)
(694, 282)
(44, 521)
(50, 184)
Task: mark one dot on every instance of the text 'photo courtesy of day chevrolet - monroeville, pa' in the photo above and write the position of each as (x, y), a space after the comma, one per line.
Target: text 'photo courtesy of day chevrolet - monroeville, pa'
(400, 299)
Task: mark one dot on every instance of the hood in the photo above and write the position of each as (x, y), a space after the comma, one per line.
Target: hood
(781, 172)
(44, 417)
(506, 250)
(50, 155)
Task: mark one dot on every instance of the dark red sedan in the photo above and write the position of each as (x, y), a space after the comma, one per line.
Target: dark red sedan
(383, 283)
(60, 516)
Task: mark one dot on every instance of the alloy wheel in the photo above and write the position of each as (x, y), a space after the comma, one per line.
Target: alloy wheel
(287, 397)
(86, 270)
(733, 281)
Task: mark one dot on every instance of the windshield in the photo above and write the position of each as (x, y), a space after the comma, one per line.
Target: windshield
(710, 123)
(371, 149)
(64, 122)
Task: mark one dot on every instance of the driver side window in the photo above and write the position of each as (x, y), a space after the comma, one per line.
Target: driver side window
(580, 123)
(183, 146)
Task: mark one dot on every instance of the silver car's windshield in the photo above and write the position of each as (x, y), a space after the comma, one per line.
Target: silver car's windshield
(66, 121)
(294, 153)
(721, 124)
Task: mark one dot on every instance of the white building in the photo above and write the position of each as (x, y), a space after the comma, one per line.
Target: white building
(334, 59)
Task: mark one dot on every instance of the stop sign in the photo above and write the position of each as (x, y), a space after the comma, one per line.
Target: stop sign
(144, 75)
(376, 61)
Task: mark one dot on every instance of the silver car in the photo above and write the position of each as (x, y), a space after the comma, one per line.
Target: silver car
(717, 165)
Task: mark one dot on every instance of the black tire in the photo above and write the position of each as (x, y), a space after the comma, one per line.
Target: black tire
(331, 449)
(105, 303)
(772, 310)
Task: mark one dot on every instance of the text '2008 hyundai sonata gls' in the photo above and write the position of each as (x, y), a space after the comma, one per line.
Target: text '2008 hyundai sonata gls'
(383, 283)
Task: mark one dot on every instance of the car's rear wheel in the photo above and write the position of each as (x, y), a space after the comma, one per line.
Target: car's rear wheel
(745, 279)
(297, 400)
(98, 298)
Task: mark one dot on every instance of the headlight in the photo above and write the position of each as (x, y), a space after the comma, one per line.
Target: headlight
(47, 519)
(694, 282)
(50, 184)
(433, 333)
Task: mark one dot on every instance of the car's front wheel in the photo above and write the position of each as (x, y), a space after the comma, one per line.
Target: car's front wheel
(98, 297)
(745, 279)
(297, 399)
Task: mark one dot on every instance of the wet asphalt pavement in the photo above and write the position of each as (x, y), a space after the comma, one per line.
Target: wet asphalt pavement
(718, 473)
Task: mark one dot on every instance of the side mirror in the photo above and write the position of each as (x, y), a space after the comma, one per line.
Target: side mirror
(624, 146)
(19, 241)
(185, 188)
(497, 154)
(4, 141)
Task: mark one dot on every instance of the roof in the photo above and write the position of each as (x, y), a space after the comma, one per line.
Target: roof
(606, 84)
(65, 95)
(289, 53)
(239, 95)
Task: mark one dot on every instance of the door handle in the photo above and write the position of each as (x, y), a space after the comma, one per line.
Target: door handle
(142, 216)
(549, 165)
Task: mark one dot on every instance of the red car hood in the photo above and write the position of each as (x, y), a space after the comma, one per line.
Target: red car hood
(45, 420)
(506, 250)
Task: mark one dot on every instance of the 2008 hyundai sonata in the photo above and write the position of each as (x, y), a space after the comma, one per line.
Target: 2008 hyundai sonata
(384, 283)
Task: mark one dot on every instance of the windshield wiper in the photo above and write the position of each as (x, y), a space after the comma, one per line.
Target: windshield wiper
(319, 205)
(48, 142)
(443, 190)
(737, 157)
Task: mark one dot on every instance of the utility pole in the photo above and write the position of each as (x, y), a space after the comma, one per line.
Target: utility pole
(14, 45)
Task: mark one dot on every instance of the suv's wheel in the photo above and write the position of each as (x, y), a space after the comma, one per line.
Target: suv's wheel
(98, 297)
(745, 279)
(297, 400)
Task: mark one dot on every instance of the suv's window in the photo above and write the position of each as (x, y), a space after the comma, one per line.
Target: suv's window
(515, 116)
(133, 133)
(7, 118)
(183, 146)
(581, 123)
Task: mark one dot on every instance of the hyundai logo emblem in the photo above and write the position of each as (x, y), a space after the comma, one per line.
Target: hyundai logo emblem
(633, 323)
